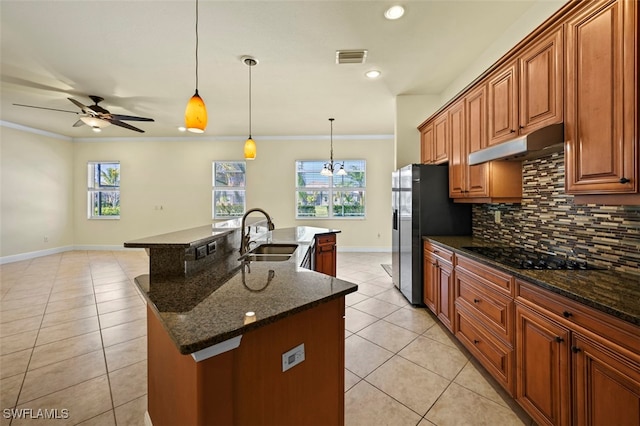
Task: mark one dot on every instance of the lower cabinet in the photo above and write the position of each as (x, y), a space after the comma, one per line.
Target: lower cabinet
(325, 254)
(438, 283)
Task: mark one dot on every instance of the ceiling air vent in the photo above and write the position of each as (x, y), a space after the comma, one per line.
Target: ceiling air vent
(351, 56)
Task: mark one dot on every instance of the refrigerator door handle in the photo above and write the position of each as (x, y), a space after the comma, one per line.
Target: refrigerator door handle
(395, 219)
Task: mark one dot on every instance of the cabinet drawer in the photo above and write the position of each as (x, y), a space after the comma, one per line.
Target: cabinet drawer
(573, 314)
(495, 356)
(326, 239)
(494, 310)
(489, 276)
(439, 251)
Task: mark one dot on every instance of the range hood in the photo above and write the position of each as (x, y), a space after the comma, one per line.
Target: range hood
(536, 144)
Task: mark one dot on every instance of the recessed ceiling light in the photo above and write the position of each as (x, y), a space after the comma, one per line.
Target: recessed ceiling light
(394, 12)
(182, 129)
(373, 74)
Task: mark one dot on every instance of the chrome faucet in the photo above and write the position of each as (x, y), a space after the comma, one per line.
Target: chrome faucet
(244, 238)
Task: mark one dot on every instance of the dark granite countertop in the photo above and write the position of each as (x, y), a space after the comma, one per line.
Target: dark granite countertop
(205, 308)
(613, 292)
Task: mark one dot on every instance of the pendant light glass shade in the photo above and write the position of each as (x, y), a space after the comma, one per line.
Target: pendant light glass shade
(249, 149)
(195, 116)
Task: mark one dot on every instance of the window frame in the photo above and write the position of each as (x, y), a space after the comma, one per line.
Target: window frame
(215, 188)
(94, 188)
(331, 189)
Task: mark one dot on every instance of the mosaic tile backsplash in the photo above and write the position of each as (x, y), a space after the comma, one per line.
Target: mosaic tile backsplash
(549, 221)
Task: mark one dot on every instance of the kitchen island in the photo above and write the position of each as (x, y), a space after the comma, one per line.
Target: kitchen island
(243, 342)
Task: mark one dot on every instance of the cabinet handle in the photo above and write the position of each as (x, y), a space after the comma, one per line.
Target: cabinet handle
(624, 180)
(522, 127)
(567, 314)
(575, 349)
(559, 339)
(436, 251)
(476, 300)
(475, 342)
(512, 131)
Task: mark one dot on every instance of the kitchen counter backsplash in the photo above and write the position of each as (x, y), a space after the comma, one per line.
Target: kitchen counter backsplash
(549, 221)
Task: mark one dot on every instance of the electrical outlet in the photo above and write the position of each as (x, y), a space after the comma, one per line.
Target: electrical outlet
(293, 357)
(497, 217)
(46, 239)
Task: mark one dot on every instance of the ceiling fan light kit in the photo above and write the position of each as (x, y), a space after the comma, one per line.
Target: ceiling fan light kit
(249, 144)
(195, 116)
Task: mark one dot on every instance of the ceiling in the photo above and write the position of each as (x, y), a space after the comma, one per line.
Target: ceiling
(140, 56)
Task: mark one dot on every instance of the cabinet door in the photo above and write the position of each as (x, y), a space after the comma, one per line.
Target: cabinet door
(458, 150)
(430, 284)
(440, 139)
(542, 382)
(606, 384)
(426, 144)
(503, 105)
(477, 176)
(541, 88)
(601, 99)
(325, 254)
(444, 273)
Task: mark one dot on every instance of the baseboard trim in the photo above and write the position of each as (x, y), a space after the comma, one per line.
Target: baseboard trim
(39, 253)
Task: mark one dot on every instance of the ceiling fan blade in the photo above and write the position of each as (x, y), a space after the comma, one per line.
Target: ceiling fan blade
(122, 124)
(130, 118)
(84, 108)
(78, 123)
(50, 109)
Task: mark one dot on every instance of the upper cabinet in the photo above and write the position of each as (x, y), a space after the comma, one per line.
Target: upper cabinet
(434, 140)
(601, 99)
(426, 144)
(526, 93)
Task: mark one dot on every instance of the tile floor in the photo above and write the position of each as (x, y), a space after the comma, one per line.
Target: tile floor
(73, 337)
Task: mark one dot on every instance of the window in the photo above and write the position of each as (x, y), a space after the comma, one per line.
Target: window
(229, 199)
(334, 196)
(104, 190)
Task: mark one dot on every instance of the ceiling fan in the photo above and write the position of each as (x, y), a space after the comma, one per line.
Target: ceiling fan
(97, 117)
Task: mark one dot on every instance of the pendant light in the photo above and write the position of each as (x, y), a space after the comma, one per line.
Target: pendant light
(329, 167)
(249, 144)
(195, 116)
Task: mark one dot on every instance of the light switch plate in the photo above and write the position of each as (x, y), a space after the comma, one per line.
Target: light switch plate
(293, 357)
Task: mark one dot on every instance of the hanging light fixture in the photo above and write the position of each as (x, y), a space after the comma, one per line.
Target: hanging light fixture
(195, 116)
(329, 167)
(249, 144)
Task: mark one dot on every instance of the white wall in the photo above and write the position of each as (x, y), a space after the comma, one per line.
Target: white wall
(411, 111)
(177, 176)
(36, 192)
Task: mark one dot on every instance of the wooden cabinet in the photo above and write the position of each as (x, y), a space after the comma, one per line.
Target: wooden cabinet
(458, 149)
(325, 254)
(576, 365)
(503, 104)
(426, 144)
(602, 99)
(440, 150)
(438, 283)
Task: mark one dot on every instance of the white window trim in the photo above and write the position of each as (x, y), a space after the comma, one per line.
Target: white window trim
(215, 188)
(91, 190)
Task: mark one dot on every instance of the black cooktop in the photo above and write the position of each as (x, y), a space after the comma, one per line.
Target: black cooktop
(528, 259)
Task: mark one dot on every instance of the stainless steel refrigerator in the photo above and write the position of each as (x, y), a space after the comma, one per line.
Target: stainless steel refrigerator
(421, 206)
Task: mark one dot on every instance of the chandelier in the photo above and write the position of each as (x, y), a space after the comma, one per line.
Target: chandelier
(330, 167)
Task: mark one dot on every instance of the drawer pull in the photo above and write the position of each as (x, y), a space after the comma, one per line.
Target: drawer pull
(559, 339)
(475, 342)
(624, 180)
(567, 314)
(575, 349)
(436, 251)
(476, 300)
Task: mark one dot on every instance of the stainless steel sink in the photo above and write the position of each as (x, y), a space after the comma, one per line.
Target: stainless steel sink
(274, 249)
(265, 257)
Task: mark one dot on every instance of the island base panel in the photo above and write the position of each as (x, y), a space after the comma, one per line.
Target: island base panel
(247, 385)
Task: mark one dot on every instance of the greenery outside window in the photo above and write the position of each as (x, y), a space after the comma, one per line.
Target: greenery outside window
(325, 197)
(104, 190)
(229, 196)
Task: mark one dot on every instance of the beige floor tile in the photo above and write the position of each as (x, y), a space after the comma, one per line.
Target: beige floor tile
(27, 291)
(414, 319)
(362, 356)
(17, 342)
(387, 335)
(365, 406)
(123, 332)
(376, 307)
(394, 296)
(353, 298)
(412, 385)
(383, 282)
(132, 413)
(61, 375)
(107, 418)
(83, 401)
(123, 316)
(71, 294)
(425, 422)
(440, 334)
(121, 293)
(356, 320)
(14, 363)
(116, 305)
(103, 288)
(458, 405)
(20, 326)
(74, 314)
(70, 284)
(369, 289)
(64, 349)
(21, 313)
(69, 304)
(128, 383)
(9, 389)
(126, 353)
(67, 330)
(117, 277)
(350, 380)
(38, 299)
(434, 356)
